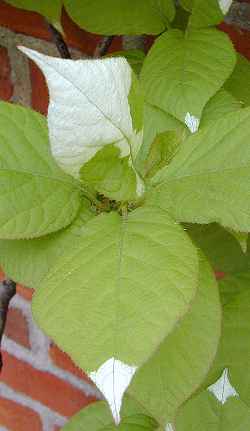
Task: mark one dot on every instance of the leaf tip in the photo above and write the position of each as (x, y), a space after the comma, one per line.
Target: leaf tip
(222, 388)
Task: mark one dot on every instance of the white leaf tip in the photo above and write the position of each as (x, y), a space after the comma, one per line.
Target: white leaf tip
(192, 122)
(225, 5)
(222, 388)
(113, 378)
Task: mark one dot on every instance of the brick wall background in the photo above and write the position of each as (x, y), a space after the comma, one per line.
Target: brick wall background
(40, 387)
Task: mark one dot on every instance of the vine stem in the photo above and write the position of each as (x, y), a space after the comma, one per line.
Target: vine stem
(7, 291)
(59, 42)
(103, 46)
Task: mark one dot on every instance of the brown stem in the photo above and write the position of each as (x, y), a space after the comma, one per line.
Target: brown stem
(59, 42)
(103, 46)
(7, 291)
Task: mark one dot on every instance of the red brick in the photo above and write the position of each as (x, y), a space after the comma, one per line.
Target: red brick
(21, 21)
(51, 391)
(39, 94)
(240, 38)
(6, 87)
(62, 360)
(18, 418)
(25, 292)
(17, 328)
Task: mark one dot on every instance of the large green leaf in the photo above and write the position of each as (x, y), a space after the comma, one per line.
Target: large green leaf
(123, 17)
(240, 75)
(97, 417)
(50, 9)
(220, 104)
(29, 261)
(206, 413)
(221, 248)
(209, 178)
(183, 71)
(234, 350)
(183, 359)
(133, 276)
(36, 197)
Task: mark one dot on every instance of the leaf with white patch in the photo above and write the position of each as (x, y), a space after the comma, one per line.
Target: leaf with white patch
(93, 103)
(97, 417)
(192, 122)
(184, 70)
(225, 5)
(29, 261)
(204, 412)
(209, 178)
(222, 388)
(132, 275)
(182, 361)
(36, 197)
(113, 378)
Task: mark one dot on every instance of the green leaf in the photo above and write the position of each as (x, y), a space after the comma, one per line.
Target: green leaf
(234, 349)
(183, 359)
(221, 248)
(206, 413)
(208, 180)
(139, 272)
(241, 74)
(156, 121)
(97, 417)
(187, 4)
(242, 238)
(183, 71)
(36, 197)
(111, 175)
(205, 14)
(29, 261)
(220, 104)
(50, 9)
(163, 149)
(125, 17)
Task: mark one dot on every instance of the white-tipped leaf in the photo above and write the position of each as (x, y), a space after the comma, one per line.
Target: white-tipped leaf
(222, 388)
(113, 378)
(225, 5)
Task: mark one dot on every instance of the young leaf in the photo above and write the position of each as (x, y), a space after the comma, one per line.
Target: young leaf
(133, 276)
(29, 261)
(156, 121)
(50, 9)
(36, 197)
(111, 175)
(234, 349)
(183, 71)
(183, 359)
(205, 412)
(97, 417)
(241, 73)
(124, 17)
(106, 108)
(209, 178)
(220, 104)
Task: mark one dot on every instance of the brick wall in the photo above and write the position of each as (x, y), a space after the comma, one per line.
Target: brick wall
(40, 388)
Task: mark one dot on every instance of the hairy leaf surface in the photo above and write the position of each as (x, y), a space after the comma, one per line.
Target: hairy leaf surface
(36, 197)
